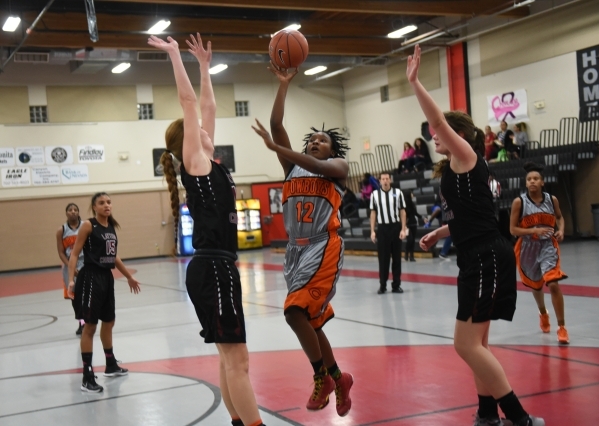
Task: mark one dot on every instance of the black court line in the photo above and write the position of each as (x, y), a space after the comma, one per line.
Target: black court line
(52, 317)
(288, 409)
(473, 406)
(578, 361)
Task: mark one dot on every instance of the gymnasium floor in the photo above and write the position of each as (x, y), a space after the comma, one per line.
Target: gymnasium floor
(397, 346)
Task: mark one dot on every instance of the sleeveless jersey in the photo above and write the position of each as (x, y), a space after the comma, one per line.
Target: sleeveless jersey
(69, 236)
(100, 247)
(211, 203)
(310, 204)
(533, 215)
(468, 206)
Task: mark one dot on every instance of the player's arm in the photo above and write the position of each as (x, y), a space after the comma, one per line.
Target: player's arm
(559, 235)
(60, 247)
(84, 231)
(372, 222)
(133, 283)
(279, 134)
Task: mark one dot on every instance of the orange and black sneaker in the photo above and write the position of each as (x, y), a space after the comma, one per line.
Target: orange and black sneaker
(323, 386)
(544, 322)
(562, 335)
(65, 293)
(342, 386)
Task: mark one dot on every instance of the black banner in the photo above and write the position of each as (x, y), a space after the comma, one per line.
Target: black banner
(224, 154)
(587, 62)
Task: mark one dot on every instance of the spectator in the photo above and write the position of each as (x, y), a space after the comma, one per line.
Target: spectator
(422, 158)
(412, 217)
(349, 204)
(406, 156)
(519, 139)
(491, 148)
(369, 184)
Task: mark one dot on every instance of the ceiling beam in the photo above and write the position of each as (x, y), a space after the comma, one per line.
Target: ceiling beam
(423, 8)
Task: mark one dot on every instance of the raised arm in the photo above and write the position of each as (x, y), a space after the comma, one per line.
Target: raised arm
(279, 134)
(207, 99)
(195, 159)
(460, 150)
(336, 168)
(84, 231)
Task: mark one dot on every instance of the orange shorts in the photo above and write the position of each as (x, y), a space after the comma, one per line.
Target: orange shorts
(311, 273)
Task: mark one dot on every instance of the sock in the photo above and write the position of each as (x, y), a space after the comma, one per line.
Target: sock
(257, 423)
(334, 371)
(511, 407)
(317, 366)
(110, 360)
(487, 407)
(236, 422)
(81, 322)
(86, 357)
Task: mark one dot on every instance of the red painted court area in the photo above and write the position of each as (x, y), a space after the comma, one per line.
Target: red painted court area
(414, 385)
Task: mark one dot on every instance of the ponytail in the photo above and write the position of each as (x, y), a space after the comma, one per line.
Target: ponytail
(111, 220)
(478, 145)
(173, 188)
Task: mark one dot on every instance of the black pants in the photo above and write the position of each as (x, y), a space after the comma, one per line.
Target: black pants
(388, 246)
(411, 240)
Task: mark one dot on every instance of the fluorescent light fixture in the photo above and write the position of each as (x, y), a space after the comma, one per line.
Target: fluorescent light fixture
(402, 31)
(11, 24)
(523, 3)
(288, 28)
(159, 26)
(218, 68)
(315, 70)
(121, 67)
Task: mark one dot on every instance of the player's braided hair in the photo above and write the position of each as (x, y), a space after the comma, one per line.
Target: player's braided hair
(174, 148)
(339, 146)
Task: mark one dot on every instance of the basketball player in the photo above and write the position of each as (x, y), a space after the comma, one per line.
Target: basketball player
(93, 294)
(65, 240)
(212, 281)
(312, 194)
(487, 277)
(534, 218)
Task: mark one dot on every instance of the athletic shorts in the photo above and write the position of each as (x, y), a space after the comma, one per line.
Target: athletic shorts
(538, 261)
(94, 295)
(487, 281)
(311, 272)
(214, 287)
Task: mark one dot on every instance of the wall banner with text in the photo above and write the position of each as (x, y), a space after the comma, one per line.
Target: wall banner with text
(30, 156)
(74, 174)
(91, 154)
(511, 107)
(16, 176)
(47, 175)
(587, 63)
(59, 155)
(7, 156)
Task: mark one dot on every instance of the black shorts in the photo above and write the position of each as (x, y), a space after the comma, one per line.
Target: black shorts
(214, 287)
(487, 281)
(94, 295)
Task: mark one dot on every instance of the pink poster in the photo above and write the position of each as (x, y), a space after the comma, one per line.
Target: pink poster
(511, 107)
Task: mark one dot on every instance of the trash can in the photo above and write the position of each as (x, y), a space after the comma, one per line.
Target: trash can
(595, 211)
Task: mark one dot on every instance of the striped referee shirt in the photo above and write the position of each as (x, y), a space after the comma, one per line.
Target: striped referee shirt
(387, 205)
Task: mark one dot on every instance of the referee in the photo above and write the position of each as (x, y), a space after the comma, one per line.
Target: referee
(388, 210)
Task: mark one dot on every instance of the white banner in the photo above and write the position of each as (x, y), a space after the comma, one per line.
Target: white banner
(59, 155)
(30, 155)
(7, 156)
(16, 176)
(91, 153)
(48, 175)
(511, 107)
(74, 174)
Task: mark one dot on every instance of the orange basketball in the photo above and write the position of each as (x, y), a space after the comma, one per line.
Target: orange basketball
(288, 49)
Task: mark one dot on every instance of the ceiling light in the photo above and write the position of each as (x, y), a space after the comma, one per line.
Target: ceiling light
(315, 70)
(11, 24)
(288, 28)
(121, 67)
(218, 68)
(402, 31)
(159, 26)
(523, 3)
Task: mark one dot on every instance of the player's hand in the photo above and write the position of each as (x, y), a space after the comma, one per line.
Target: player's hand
(133, 285)
(559, 236)
(263, 133)
(429, 240)
(169, 46)
(76, 272)
(402, 234)
(373, 236)
(196, 48)
(543, 232)
(284, 75)
(413, 65)
(71, 290)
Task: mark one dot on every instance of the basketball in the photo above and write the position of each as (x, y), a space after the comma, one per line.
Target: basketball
(288, 49)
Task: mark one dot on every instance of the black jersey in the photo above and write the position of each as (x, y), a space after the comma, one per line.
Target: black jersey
(100, 247)
(211, 203)
(467, 205)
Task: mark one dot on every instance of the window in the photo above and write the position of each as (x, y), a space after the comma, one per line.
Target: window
(145, 111)
(242, 108)
(384, 93)
(38, 114)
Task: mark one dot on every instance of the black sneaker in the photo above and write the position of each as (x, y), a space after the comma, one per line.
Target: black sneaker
(381, 291)
(79, 330)
(89, 384)
(397, 290)
(115, 370)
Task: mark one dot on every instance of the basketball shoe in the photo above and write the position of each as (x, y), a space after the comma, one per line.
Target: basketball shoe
(342, 386)
(562, 335)
(323, 386)
(115, 370)
(89, 383)
(544, 322)
(487, 421)
(531, 421)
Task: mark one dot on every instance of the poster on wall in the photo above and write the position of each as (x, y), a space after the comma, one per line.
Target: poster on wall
(90, 154)
(30, 156)
(7, 156)
(275, 197)
(74, 174)
(225, 155)
(511, 107)
(587, 64)
(16, 176)
(47, 175)
(59, 155)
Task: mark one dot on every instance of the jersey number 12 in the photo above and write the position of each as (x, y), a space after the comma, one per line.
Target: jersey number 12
(304, 211)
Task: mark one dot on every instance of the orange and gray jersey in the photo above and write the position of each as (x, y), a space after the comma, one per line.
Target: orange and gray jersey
(314, 255)
(69, 236)
(538, 257)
